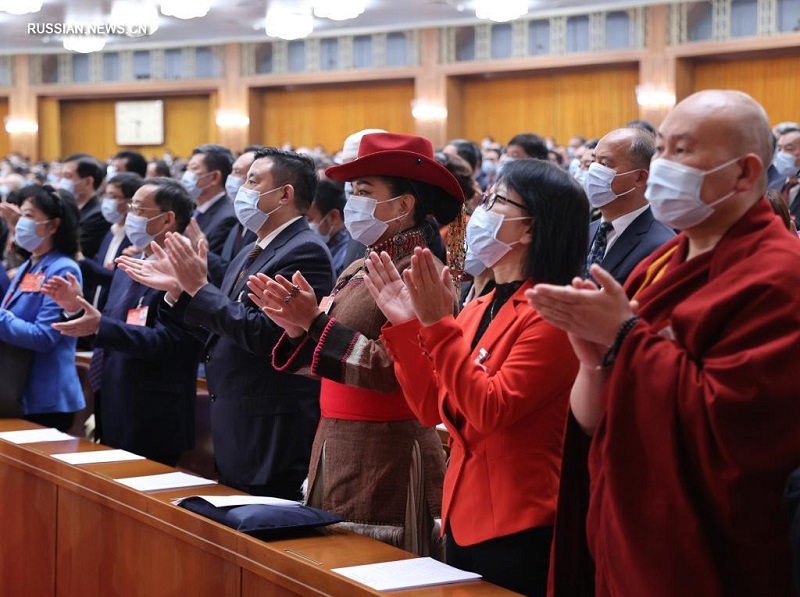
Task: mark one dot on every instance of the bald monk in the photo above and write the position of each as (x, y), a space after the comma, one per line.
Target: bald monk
(688, 376)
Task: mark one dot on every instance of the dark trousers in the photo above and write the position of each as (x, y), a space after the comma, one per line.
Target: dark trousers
(60, 421)
(274, 490)
(517, 562)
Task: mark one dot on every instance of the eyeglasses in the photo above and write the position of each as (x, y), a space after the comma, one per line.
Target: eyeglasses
(488, 201)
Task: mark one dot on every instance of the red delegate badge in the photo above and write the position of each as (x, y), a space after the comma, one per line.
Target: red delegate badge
(32, 283)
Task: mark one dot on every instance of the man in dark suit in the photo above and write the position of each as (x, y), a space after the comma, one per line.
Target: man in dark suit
(204, 180)
(626, 232)
(262, 420)
(789, 145)
(98, 271)
(146, 367)
(82, 175)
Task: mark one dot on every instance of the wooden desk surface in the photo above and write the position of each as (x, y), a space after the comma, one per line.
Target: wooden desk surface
(72, 530)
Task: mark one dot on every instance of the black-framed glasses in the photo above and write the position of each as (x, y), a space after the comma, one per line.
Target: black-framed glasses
(489, 199)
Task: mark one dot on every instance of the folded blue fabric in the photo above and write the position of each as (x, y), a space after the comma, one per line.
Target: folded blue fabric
(262, 520)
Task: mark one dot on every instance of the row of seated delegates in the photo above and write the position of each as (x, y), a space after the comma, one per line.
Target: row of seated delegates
(47, 228)
(692, 411)
(144, 370)
(373, 462)
(262, 420)
(498, 375)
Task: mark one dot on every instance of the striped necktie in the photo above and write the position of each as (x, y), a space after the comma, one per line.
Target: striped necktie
(251, 257)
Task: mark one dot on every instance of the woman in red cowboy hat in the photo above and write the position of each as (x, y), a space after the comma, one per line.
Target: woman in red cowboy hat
(372, 462)
(498, 375)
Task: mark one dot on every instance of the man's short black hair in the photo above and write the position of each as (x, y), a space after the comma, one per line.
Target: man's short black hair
(330, 195)
(295, 169)
(216, 157)
(172, 196)
(88, 166)
(134, 162)
(532, 144)
(128, 183)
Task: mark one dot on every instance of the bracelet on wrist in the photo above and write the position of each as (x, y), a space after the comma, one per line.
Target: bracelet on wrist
(624, 330)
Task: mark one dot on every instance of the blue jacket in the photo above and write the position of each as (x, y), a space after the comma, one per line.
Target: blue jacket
(25, 320)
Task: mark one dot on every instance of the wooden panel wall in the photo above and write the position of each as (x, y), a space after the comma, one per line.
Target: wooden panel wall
(328, 115)
(87, 125)
(556, 104)
(773, 82)
(5, 145)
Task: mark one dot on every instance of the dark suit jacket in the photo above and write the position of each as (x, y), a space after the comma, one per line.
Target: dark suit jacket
(93, 227)
(218, 262)
(262, 421)
(217, 222)
(95, 275)
(149, 376)
(644, 235)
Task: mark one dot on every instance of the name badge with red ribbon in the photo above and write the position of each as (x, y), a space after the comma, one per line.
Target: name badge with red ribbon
(138, 316)
(32, 282)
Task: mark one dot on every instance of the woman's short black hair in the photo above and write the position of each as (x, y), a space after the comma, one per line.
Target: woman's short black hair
(560, 219)
(53, 205)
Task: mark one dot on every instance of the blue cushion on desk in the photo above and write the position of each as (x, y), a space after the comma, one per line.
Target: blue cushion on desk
(262, 520)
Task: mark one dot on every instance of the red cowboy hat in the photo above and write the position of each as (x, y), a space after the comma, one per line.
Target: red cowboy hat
(405, 156)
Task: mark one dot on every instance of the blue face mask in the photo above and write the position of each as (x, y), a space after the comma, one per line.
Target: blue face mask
(25, 235)
(136, 230)
(785, 163)
(109, 210)
(246, 207)
(189, 181)
(232, 184)
(67, 184)
(315, 227)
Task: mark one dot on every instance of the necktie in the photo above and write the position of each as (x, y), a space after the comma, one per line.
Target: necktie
(251, 257)
(598, 249)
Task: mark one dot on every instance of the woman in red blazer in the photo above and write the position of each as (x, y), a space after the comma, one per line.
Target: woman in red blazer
(498, 375)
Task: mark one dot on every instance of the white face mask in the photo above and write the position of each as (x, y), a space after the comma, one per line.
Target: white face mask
(136, 230)
(189, 181)
(232, 184)
(109, 210)
(360, 220)
(597, 184)
(26, 236)
(483, 248)
(67, 184)
(785, 163)
(315, 228)
(574, 166)
(246, 207)
(673, 191)
(580, 175)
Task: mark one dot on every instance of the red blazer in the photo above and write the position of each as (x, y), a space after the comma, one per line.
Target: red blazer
(505, 405)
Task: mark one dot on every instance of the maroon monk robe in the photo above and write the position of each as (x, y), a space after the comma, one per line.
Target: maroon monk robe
(702, 423)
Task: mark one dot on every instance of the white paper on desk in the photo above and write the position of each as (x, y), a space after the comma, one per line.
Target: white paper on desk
(32, 436)
(164, 481)
(97, 456)
(405, 574)
(441, 427)
(224, 501)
